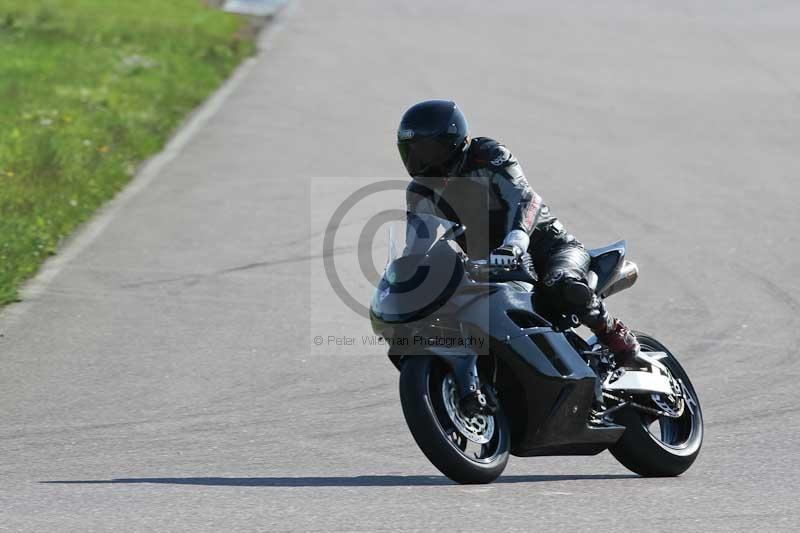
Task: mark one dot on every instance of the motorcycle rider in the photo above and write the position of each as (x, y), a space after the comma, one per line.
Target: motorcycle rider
(477, 182)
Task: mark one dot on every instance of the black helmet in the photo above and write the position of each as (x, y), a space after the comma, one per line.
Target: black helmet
(431, 134)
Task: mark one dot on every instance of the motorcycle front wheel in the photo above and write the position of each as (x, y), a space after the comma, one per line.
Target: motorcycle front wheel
(467, 449)
(660, 446)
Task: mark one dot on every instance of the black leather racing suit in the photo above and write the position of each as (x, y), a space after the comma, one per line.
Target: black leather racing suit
(486, 190)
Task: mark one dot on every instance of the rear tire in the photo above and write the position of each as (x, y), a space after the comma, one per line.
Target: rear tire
(421, 383)
(674, 451)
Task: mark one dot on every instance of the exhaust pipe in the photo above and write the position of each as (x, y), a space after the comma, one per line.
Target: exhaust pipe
(624, 279)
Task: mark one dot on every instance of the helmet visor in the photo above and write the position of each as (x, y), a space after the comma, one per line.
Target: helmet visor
(424, 156)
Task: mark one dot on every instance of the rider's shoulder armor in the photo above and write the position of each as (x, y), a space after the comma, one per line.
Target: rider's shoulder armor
(484, 153)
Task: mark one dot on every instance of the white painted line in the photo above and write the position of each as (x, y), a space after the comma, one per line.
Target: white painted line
(258, 8)
(149, 170)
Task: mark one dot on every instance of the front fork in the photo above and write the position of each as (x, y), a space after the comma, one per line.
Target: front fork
(464, 364)
(465, 371)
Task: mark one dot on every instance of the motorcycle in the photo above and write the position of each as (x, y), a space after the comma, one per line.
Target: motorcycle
(456, 325)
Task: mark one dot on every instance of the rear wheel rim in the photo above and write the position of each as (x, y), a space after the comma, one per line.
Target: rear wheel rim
(674, 434)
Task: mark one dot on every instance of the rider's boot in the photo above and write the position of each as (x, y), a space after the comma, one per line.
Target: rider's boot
(612, 334)
(621, 341)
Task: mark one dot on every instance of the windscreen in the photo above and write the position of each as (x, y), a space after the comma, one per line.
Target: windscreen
(416, 235)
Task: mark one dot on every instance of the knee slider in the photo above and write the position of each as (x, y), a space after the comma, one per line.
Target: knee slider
(553, 279)
(575, 292)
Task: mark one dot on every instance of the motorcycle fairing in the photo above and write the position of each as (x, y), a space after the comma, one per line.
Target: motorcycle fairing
(557, 385)
(548, 388)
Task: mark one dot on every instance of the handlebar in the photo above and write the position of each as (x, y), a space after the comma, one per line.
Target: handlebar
(482, 270)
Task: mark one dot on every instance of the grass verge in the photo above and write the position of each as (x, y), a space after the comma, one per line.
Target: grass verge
(88, 90)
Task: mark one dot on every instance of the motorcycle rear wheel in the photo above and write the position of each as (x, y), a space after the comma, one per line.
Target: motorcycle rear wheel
(424, 384)
(670, 450)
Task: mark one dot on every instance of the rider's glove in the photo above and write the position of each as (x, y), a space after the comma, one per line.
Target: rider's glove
(506, 255)
(526, 262)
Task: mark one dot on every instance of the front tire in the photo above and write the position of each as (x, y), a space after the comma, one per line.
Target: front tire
(677, 445)
(459, 454)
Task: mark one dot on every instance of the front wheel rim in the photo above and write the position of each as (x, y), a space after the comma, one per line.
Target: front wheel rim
(477, 452)
(478, 428)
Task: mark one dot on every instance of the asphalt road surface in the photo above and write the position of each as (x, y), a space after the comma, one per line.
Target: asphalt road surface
(165, 377)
